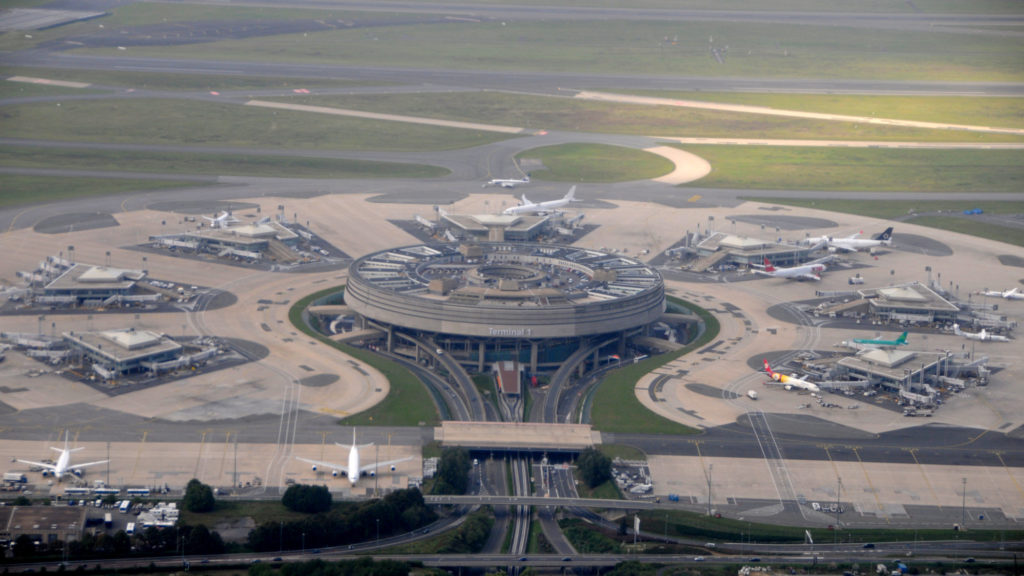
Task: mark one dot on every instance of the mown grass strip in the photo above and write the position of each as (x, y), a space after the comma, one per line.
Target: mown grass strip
(19, 190)
(203, 162)
(615, 407)
(407, 404)
(860, 169)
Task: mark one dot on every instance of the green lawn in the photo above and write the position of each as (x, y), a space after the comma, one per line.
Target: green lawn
(615, 407)
(557, 113)
(994, 112)
(594, 163)
(407, 404)
(614, 46)
(155, 81)
(21, 190)
(860, 169)
(210, 163)
(184, 123)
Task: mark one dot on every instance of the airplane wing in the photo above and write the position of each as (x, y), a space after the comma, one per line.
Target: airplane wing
(331, 465)
(370, 467)
(40, 464)
(77, 466)
(809, 276)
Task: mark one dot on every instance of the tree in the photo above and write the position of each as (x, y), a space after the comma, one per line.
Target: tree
(23, 546)
(595, 468)
(305, 498)
(198, 497)
(453, 471)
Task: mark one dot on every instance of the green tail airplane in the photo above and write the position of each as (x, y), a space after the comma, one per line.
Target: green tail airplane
(901, 341)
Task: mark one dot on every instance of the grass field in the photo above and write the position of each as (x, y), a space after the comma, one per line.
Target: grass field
(210, 163)
(19, 190)
(190, 123)
(577, 115)
(155, 81)
(594, 163)
(860, 169)
(615, 407)
(994, 112)
(407, 404)
(614, 46)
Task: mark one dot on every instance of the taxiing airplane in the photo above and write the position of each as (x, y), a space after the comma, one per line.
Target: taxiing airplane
(528, 207)
(508, 182)
(221, 220)
(900, 341)
(809, 271)
(983, 336)
(63, 465)
(353, 470)
(790, 382)
(1011, 294)
(853, 243)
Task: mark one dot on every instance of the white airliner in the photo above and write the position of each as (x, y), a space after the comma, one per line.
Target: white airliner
(353, 471)
(983, 336)
(508, 182)
(221, 220)
(528, 207)
(1011, 294)
(852, 243)
(790, 382)
(63, 464)
(809, 271)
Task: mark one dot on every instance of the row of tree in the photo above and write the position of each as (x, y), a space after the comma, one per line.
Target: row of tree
(149, 542)
(348, 522)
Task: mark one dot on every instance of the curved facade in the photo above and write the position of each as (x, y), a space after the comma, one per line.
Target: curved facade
(505, 290)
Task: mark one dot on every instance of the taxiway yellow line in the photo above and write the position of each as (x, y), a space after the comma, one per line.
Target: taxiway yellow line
(138, 455)
(199, 457)
(870, 485)
(913, 454)
(1010, 474)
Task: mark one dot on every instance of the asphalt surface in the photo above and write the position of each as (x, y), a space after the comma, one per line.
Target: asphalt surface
(798, 437)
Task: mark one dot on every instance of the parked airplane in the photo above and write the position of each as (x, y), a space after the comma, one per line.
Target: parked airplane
(809, 271)
(528, 207)
(353, 470)
(221, 220)
(900, 341)
(1011, 294)
(790, 381)
(852, 243)
(984, 335)
(508, 182)
(63, 464)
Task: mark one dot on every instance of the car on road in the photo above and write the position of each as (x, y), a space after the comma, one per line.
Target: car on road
(698, 558)
(868, 546)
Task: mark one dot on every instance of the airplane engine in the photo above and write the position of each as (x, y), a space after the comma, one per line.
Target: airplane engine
(46, 473)
(373, 473)
(314, 467)
(832, 250)
(334, 473)
(788, 387)
(77, 472)
(393, 467)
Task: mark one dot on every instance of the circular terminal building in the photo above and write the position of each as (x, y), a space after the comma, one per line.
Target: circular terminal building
(481, 303)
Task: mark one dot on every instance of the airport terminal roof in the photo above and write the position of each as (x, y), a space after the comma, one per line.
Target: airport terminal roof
(87, 276)
(913, 295)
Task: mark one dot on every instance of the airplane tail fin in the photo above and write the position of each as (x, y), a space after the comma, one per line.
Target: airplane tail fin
(956, 329)
(886, 235)
(768, 268)
(902, 339)
(571, 195)
(767, 367)
(526, 201)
